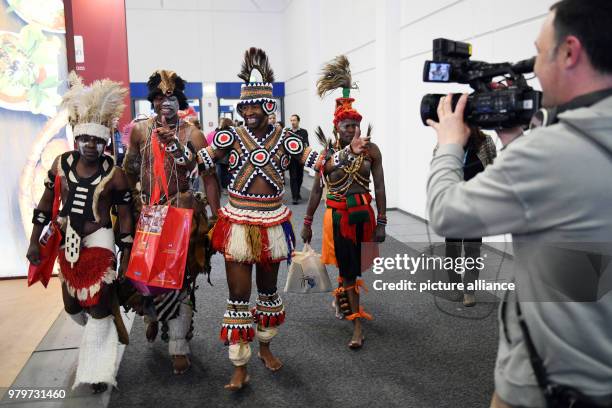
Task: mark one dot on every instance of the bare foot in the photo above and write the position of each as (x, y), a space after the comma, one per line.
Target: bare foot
(358, 338)
(180, 364)
(239, 379)
(272, 363)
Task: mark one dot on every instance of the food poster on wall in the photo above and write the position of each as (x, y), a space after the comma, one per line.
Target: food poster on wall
(33, 72)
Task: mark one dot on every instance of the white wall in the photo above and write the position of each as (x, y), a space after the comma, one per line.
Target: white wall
(498, 30)
(202, 40)
(326, 29)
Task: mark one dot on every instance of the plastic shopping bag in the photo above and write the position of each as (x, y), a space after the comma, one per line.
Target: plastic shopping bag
(307, 274)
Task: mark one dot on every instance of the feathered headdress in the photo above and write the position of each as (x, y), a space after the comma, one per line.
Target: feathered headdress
(92, 109)
(337, 74)
(166, 82)
(258, 77)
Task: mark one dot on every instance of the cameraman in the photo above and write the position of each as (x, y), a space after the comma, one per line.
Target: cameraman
(551, 186)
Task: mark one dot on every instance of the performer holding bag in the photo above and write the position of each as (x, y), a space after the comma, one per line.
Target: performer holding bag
(162, 159)
(349, 220)
(160, 247)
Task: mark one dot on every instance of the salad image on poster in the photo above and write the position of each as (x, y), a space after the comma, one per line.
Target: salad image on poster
(28, 71)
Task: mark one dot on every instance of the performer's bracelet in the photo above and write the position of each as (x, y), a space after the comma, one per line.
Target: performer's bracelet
(126, 240)
(308, 220)
(381, 220)
(40, 217)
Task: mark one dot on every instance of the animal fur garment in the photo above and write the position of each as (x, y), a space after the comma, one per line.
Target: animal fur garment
(256, 59)
(335, 74)
(98, 353)
(166, 81)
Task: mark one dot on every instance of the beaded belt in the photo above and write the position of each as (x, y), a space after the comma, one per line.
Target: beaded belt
(255, 203)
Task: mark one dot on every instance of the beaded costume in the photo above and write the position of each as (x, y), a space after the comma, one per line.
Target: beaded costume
(255, 228)
(174, 309)
(87, 260)
(349, 219)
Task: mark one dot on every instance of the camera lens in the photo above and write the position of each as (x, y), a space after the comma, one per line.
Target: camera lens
(429, 106)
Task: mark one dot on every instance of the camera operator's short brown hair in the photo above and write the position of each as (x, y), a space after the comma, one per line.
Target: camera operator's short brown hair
(590, 22)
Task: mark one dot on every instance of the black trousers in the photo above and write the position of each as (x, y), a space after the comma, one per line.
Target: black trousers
(471, 246)
(296, 177)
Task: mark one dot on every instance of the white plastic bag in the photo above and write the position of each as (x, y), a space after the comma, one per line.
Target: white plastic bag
(307, 274)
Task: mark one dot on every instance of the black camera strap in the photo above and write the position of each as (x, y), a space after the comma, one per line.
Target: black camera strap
(556, 395)
(536, 361)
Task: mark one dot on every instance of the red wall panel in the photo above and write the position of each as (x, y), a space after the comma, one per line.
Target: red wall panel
(102, 25)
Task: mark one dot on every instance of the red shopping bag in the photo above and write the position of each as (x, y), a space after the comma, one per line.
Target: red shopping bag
(171, 258)
(159, 252)
(146, 242)
(49, 248)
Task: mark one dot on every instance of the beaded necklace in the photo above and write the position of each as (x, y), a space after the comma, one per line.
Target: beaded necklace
(351, 175)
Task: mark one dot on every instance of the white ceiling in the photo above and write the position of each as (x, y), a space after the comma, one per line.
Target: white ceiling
(249, 6)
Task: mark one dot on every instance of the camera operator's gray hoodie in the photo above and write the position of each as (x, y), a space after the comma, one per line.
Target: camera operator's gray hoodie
(551, 189)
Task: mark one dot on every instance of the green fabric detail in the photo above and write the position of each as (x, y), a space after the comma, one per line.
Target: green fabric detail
(358, 217)
(346, 92)
(336, 217)
(357, 209)
(351, 201)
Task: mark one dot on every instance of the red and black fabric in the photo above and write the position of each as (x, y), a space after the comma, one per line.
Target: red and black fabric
(353, 224)
(84, 279)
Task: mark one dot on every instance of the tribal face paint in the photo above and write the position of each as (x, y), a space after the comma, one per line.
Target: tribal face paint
(167, 106)
(90, 147)
(347, 129)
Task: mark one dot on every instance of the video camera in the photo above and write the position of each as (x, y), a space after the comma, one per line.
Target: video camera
(489, 106)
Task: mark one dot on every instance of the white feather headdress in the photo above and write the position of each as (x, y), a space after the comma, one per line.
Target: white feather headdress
(92, 109)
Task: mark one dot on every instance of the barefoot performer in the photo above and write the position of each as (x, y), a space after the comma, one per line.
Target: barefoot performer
(349, 219)
(181, 140)
(88, 183)
(254, 228)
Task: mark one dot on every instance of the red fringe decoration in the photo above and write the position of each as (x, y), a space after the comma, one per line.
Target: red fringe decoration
(88, 270)
(237, 335)
(220, 234)
(266, 320)
(266, 255)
